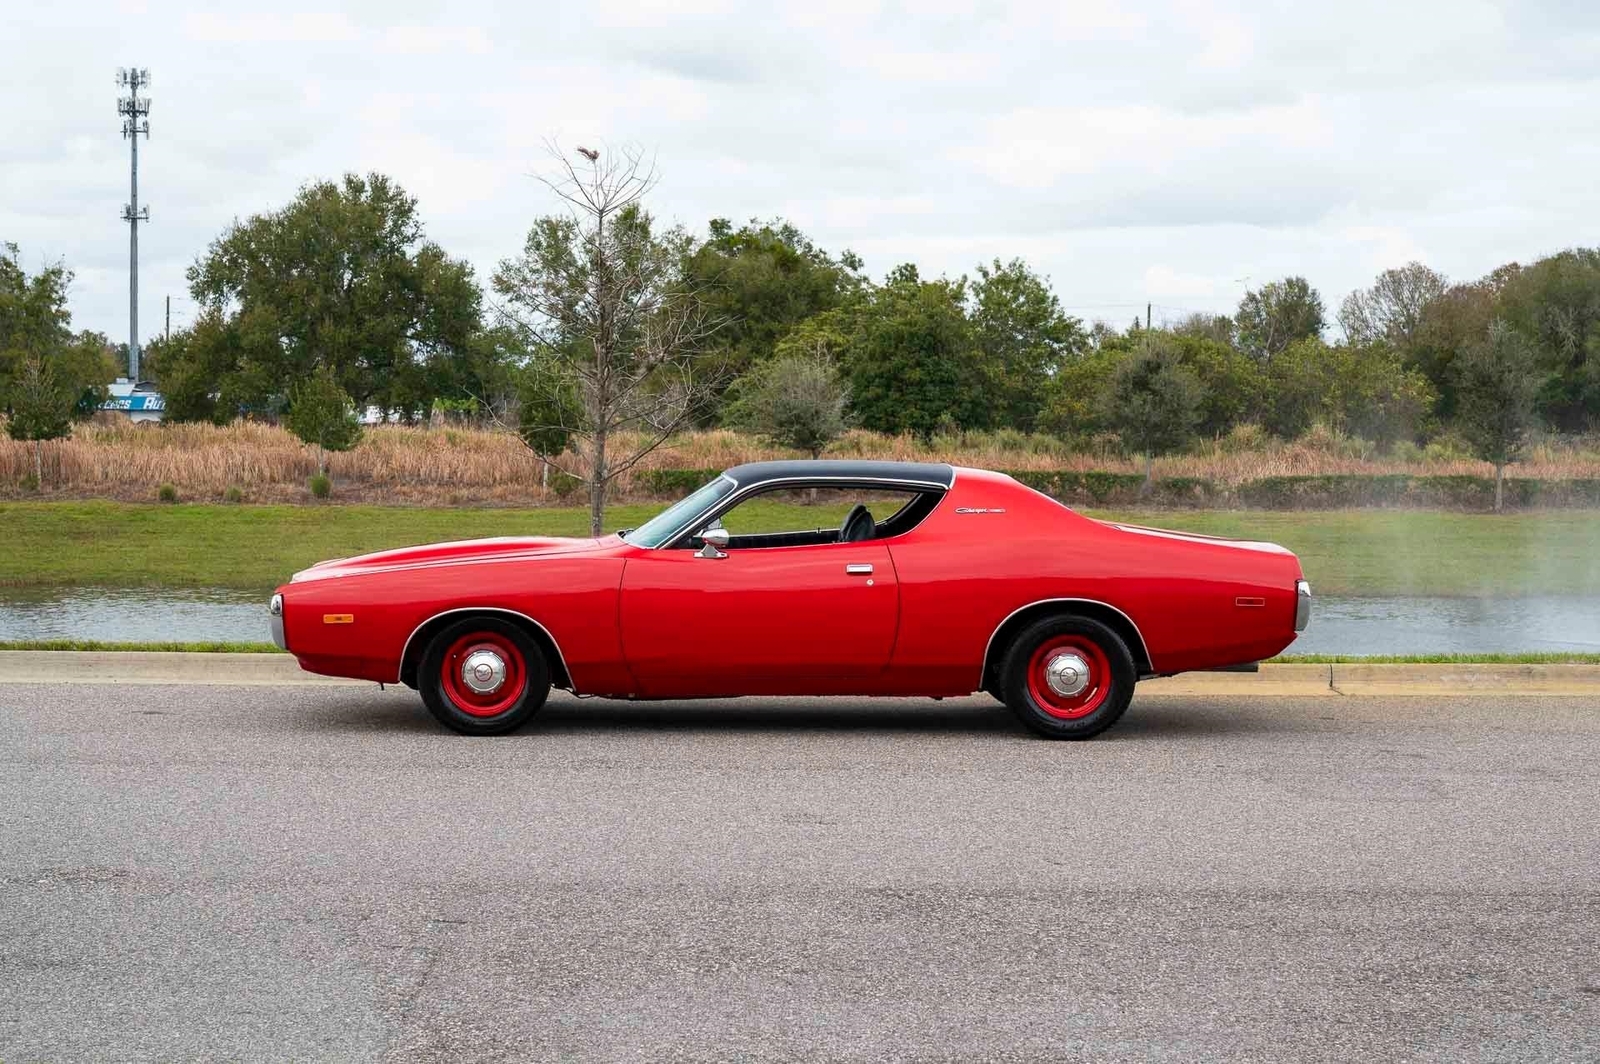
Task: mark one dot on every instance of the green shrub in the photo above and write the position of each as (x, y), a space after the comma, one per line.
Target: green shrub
(1193, 491)
(233, 495)
(1103, 486)
(1447, 447)
(167, 493)
(1011, 441)
(321, 486)
(1405, 451)
(672, 483)
(564, 484)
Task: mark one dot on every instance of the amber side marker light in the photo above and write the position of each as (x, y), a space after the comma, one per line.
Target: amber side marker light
(338, 618)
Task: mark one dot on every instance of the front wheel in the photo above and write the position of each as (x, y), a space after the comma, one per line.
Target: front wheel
(483, 676)
(1068, 677)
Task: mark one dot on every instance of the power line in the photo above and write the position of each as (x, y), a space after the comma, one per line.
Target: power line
(135, 110)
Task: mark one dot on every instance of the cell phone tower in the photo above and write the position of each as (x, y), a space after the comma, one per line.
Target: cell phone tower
(135, 112)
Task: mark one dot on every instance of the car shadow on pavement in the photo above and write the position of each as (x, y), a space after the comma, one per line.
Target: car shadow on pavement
(1163, 719)
(776, 714)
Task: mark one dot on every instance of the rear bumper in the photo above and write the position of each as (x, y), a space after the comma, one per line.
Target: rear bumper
(1302, 605)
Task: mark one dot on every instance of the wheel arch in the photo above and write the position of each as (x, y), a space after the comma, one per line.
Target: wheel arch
(1094, 609)
(422, 635)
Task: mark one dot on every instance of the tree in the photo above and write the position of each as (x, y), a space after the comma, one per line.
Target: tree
(1277, 315)
(40, 408)
(1022, 338)
(605, 301)
(1393, 308)
(910, 358)
(1455, 320)
(1153, 402)
(795, 400)
(1555, 304)
(1362, 389)
(1234, 385)
(1217, 328)
(762, 280)
(320, 414)
(548, 403)
(1498, 382)
(49, 377)
(341, 279)
(1073, 407)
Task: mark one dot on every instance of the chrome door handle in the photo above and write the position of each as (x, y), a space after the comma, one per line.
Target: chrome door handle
(859, 569)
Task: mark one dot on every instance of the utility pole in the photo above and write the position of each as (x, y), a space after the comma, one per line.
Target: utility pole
(1146, 316)
(134, 110)
(167, 334)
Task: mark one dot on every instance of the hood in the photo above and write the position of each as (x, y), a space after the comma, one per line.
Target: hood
(445, 553)
(1196, 537)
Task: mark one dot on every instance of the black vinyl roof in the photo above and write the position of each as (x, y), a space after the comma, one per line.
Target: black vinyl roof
(920, 474)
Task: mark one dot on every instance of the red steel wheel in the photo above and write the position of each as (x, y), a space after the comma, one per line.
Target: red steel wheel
(1069, 676)
(483, 673)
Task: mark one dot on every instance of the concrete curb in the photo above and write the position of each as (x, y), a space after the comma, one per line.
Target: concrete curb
(1354, 679)
(146, 667)
(141, 667)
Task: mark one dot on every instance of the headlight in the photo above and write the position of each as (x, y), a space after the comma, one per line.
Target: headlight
(275, 606)
(1302, 605)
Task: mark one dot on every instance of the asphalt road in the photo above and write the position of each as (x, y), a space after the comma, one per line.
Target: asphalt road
(310, 873)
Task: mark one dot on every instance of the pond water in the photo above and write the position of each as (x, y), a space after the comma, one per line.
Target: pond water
(134, 616)
(1396, 625)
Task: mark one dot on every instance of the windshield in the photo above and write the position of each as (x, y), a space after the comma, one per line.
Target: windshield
(654, 532)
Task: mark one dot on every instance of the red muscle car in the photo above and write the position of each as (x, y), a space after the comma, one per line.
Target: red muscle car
(938, 581)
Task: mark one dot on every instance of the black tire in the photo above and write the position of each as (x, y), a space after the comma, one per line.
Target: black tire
(454, 709)
(1065, 720)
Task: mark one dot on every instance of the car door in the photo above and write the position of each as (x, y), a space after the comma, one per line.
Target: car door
(801, 620)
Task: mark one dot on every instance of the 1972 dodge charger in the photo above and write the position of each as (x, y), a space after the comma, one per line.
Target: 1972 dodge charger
(938, 581)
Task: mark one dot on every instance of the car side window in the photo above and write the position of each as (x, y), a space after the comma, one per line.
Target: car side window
(810, 516)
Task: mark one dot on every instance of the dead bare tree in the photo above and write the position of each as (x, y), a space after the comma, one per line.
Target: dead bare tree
(619, 331)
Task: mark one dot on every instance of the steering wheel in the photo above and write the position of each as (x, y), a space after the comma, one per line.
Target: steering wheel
(857, 525)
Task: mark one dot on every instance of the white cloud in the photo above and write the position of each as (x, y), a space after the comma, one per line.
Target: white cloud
(1164, 282)
(1134, 151)
(308, 27)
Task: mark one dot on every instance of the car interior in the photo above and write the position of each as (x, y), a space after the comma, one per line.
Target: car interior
(904, 510)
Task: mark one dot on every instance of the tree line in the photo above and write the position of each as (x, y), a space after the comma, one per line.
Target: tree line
(609, 331)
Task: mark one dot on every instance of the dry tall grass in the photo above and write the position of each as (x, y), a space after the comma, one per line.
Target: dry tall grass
(461, 466)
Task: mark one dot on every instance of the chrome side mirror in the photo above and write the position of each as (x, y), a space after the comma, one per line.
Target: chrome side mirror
(714, 539)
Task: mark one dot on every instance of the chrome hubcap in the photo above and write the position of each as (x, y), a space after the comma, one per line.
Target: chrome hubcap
(1067, 674)
(483, 671)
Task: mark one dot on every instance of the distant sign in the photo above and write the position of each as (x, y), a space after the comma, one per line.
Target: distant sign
(135, 403)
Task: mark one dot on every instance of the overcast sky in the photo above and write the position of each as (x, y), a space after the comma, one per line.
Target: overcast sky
(1166, 152)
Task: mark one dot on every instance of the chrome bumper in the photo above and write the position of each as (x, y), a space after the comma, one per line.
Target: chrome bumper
(275, 613)
(1302, 605)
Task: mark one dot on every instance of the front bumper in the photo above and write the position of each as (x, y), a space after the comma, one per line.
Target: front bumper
(1302, 605)
(275, 615)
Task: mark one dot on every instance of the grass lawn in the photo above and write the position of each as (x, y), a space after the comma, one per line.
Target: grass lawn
(1374, 552)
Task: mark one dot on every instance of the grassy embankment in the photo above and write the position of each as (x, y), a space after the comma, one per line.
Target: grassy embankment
(253, 548)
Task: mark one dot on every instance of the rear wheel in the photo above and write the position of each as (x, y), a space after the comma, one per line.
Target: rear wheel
(483, 676)
(1068, 677)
